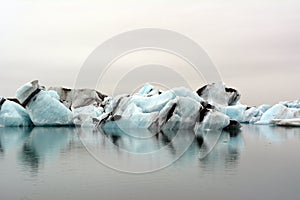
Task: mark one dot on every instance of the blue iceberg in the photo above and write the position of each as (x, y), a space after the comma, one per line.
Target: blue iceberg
(13, 114)
(43, 106)
(174, 109)
(278, 111)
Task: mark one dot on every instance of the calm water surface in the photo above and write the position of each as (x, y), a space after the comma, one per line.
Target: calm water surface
(261, 162)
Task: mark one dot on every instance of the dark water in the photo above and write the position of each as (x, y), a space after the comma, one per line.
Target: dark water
(261, 162)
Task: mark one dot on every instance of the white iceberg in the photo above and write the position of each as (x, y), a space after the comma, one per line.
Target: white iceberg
(218, 93)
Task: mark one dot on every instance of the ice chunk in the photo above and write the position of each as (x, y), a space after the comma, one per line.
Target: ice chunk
(53, 94)
(236, 112)
(251, 114)
(263, 108)
(181, 113)
(75, 98)
(278, 111)
(243, 113)
(146, 89)
(43, 109)
(157, 102)
(87, 116)
(149, 90)
(254, 114)
(138, 118)
(174, 109)
(287, 122)
(213, 120)
(176, 105)
(217, 93)
(27, 91)
(12, 114)
(291, 104)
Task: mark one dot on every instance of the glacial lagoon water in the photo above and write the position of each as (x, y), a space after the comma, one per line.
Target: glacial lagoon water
(260, 162)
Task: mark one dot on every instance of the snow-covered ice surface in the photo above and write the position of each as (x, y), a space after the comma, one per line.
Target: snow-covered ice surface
(213, 106)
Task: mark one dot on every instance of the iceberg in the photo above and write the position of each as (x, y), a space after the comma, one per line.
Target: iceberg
(278, 111)
(13, 114)
(291, 104)
(244, 114)
(212, 107)
(213, 120)
(226, 100)
(237, 112)
(87, 116)
(75, 98)
(43, 106)
(174, 109)
(219, 93)
(287, 122)
(146, 89)
(149, 90)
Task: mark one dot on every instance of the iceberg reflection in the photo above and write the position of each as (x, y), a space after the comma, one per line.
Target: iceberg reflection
(221, 151)
(271, 133)
(12, 137)
(42, 145)
(211, 151)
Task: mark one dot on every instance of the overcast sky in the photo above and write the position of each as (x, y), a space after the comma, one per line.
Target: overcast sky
(254, 44)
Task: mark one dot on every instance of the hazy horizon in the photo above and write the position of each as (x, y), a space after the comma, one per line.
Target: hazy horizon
(255, 45)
